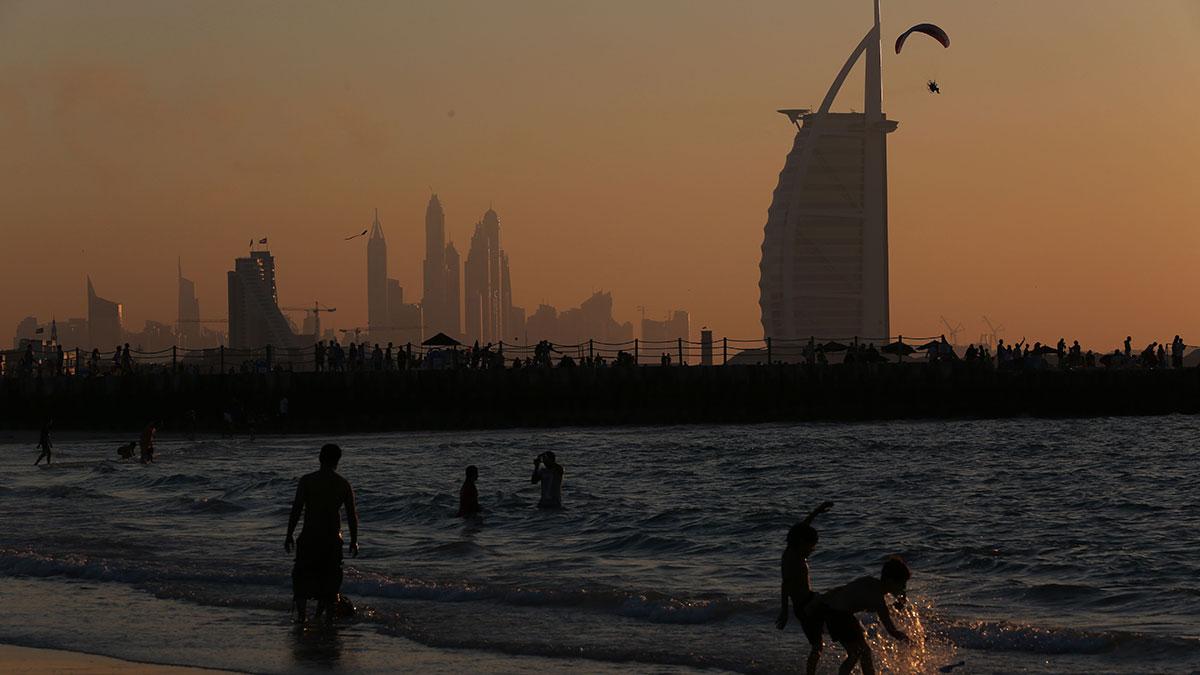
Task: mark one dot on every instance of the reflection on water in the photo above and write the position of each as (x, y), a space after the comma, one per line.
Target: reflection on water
(316, 643)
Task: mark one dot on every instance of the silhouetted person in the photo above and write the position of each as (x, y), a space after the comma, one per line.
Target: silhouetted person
(468, 496)
(867, 594)
(797, 584)
(551, 478)
(1128, 346)
(1177, 352)
(28, 361)
(147, 442)
(126, 451)
(319, 355)
(320, 496)
(44, 442)
(94, 362)
(126, 361)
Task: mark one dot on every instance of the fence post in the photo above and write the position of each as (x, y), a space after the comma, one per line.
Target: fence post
(268, 358)
(222, 359)
(591, 350)
(77, 361)
(174, 358)
(680, 351)
(724, 350)
(637, 361)
(768, 351)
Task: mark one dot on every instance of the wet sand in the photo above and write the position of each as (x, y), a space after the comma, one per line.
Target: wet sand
(14, 659)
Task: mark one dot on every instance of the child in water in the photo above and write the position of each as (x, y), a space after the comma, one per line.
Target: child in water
(838, 606)
(797, 583)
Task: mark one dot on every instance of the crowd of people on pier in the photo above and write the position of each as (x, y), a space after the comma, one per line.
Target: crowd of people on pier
(334, 357)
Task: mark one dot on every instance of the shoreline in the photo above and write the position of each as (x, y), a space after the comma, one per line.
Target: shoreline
(22, 659)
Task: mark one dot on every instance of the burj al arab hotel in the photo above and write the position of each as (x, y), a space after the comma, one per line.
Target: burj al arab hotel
(824, 269)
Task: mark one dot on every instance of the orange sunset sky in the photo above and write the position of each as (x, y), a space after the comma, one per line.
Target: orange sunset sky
(627, 146)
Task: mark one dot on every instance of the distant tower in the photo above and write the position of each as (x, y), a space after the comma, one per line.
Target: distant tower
(188, 325)
(377, 279)
(105, 318)
(453, 296)
(488, 297)
(254, 317)
(434, 301)
(824, 269)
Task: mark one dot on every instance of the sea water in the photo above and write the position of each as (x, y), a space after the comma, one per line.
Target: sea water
(1036, 546)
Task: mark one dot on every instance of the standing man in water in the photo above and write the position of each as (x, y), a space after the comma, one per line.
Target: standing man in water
(44, 442)
(551, 478)
(468, 496)
(318, 570)
(147, 442)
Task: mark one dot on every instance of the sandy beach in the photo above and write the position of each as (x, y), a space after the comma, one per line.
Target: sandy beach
(14, 659)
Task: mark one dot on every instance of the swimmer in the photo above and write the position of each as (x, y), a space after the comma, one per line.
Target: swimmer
(551, 478)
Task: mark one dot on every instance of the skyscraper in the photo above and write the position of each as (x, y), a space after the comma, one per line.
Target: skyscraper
(824, 269)
(188, 325)
(377, 280)
(488, 296)
(105, 320)
(453, 294)
(440, 302)
(254, 317)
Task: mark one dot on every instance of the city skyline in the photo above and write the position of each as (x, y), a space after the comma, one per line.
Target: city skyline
(1002, 201)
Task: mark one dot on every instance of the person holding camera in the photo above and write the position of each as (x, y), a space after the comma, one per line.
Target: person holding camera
(549, 473)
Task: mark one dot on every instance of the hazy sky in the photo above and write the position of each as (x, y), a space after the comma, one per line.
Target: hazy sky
(630, 146)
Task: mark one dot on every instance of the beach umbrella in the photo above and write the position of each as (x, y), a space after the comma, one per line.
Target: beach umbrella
(832, 346)
(932, 344)
(1045, 349)
(441, 340)
(899, 348)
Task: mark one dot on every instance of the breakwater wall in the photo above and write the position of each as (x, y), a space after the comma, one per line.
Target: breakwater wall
(537, 397)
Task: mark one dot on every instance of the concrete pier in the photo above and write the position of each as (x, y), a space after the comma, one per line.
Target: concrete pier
(541, 397)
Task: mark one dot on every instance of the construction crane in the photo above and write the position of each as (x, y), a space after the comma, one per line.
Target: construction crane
(316, 310)
(952, 331)
(359, 330)
(989, 338)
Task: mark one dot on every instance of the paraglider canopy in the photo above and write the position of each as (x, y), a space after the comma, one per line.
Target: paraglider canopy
(929, 29)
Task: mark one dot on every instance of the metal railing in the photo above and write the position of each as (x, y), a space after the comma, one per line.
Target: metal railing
(47, 360)
(361, 356)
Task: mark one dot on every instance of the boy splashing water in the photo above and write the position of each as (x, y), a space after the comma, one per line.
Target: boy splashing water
(838, 606)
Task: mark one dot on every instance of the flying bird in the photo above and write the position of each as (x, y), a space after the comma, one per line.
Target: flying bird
(356, 236)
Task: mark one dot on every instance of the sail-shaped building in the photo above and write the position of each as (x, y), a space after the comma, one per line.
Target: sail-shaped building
(824, 268)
